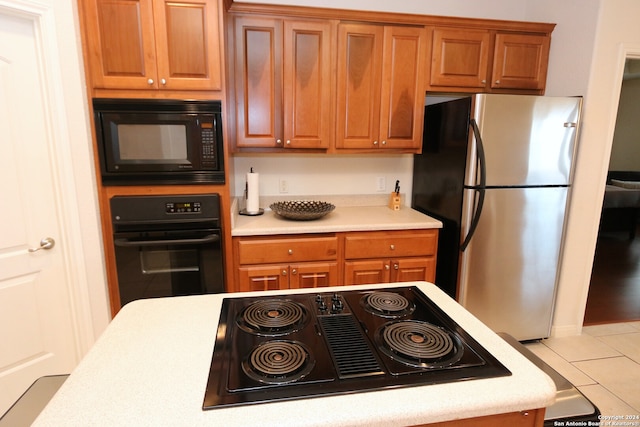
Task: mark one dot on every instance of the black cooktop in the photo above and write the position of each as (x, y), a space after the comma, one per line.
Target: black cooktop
(303, 345)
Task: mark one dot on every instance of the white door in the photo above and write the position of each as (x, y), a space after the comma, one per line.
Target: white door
(36, 327)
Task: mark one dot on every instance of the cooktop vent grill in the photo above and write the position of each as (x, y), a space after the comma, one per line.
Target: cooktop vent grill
(351, 352)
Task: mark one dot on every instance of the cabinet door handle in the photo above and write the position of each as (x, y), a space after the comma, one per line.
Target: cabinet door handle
(163, 81)
(284, 272)
(497, 82)
(375, 142)
(294, 271)
(384, 142)
(288, 142)
(150, 82)
(278, 141)
(386, 267)
(396, 267)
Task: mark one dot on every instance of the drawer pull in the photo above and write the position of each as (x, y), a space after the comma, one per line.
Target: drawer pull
(290, 251)
(392, 247)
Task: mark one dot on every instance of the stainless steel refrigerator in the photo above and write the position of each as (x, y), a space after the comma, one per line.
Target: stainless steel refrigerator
(496, 170)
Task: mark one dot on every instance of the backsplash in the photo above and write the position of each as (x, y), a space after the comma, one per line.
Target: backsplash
(318, 175)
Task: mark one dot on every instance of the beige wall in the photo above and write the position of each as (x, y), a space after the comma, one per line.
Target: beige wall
(616, 35)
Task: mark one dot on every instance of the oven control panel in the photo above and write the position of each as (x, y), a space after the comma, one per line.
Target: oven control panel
(183, 207)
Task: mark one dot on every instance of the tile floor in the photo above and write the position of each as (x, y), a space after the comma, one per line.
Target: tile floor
(603, 363)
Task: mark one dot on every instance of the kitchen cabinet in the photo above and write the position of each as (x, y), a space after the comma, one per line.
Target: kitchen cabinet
(485, 60)
(390, 256)
(283, 83)
(389, 270)
(331, 259)
(460, 57)
(520, 61)
(380, 96)
(286, 262)
(153, 44)
(283, 276)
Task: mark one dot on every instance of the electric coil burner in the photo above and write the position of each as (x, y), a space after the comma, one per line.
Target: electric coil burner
(303, 345)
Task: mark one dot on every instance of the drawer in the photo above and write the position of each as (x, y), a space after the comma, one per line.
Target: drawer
(384, 244)
(265, 251)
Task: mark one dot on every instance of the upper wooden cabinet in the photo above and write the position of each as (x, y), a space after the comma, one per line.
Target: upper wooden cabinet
(153, 44)
(283, 83)
(520, 61)
(486, 60)
(460, 57)
(381, 86)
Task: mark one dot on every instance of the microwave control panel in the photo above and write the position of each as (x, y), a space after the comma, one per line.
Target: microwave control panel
(209, 146)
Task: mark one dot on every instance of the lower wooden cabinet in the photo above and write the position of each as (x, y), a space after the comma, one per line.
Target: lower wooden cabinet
(283, 276)
(389, 270)
(333, 259)
(390, 256)
(286, 262)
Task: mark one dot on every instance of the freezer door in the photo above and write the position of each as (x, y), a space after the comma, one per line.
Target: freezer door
(528, 140)
(508, 271)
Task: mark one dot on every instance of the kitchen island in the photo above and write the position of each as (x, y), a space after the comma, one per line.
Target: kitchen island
(151, 365)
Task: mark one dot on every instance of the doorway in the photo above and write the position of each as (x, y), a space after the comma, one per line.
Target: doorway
(614, 290)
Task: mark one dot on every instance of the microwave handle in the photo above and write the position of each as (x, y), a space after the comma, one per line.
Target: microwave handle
(133, 243)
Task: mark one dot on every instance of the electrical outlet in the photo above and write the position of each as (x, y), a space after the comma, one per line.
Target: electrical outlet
(381, 184)
(283, 186)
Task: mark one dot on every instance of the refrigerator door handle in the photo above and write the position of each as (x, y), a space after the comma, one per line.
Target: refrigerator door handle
(479, 188)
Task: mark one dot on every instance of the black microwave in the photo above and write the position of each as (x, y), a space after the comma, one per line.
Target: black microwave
(159, 141)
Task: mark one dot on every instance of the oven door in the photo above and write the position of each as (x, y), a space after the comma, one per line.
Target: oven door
(168, 263)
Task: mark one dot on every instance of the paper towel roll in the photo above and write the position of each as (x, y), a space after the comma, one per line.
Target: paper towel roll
(253, 195)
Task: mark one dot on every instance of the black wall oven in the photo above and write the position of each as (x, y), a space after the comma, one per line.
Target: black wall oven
(167, 245)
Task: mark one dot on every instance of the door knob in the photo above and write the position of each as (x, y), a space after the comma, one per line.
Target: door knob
(46, 243)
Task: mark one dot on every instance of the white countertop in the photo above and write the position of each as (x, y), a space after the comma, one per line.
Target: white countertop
(151, 365)
(343, 218)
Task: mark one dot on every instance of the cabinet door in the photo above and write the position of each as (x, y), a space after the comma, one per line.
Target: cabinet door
(188, 44)
(520, 61)
(258, 75)
(263, 278)
(313, 275)
(359, 74)
(366, 272)
(403, 87)
(413, 269)
(121, 43)
(307, 84)
(460, 57)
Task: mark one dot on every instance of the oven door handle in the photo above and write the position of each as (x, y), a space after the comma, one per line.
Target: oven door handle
(132, 243)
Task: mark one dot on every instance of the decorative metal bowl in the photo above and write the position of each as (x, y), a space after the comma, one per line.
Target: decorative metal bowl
(302, 210)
